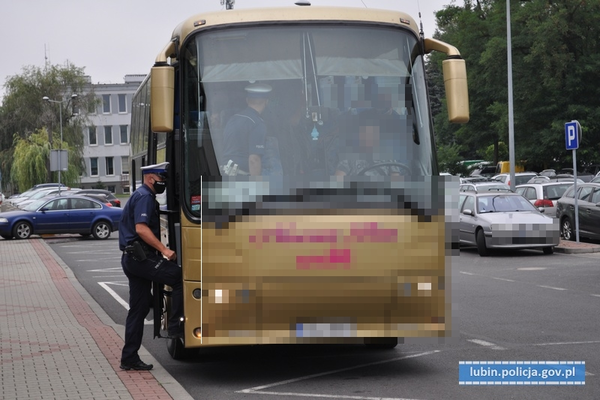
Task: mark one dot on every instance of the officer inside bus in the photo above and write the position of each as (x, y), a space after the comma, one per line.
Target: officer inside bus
(245, 135)
(146, 259)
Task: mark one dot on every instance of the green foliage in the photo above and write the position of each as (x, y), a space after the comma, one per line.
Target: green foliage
(449, 159)
(555, 62)
(23, 112)
(489, 154)
(31, 158)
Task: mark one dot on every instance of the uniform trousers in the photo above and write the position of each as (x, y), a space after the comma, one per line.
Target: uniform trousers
(141, 274)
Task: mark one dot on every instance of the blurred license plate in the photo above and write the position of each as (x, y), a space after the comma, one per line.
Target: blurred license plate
(325, 330)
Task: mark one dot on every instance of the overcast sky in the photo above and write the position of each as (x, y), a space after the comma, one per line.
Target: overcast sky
(113, 38)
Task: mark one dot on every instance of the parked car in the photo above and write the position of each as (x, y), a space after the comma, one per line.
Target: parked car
(550, 173)
(36, 187)
(486, 186)
(555, 178)
(68, 214)
(484, 168)
(505, 220)
(111, 197)
(45, 192)
(520, 177)
(588, 197)
(544, 195)
(585, 176)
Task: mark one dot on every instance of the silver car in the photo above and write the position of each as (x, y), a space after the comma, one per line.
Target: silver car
(504, 220)
(544, 195)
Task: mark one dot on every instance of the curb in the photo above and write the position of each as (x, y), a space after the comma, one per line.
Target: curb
(162, 377)
(575, 250)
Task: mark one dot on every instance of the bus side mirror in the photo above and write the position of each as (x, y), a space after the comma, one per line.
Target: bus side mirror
(162, 93)
(455, 80)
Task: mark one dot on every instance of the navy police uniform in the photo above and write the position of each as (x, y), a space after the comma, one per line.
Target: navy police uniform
(246, 132)
(143, 208)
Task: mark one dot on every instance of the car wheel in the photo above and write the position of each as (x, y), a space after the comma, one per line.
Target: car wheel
(101, 230)
(481, 247)
(566, 229)
(548, 250)
(22, 230)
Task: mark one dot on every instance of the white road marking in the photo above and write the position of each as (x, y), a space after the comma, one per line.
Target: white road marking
(566, 343)
(595, 295)
(486, 344)
(551, 287)
(531, 269)
(118, 298)
(503, 279)
(259, 389)
(106, 269)
(466, 273)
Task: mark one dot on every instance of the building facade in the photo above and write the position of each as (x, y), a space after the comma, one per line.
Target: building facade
(107, 137)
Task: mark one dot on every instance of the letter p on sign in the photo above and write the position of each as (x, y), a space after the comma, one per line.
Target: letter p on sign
(572, 135)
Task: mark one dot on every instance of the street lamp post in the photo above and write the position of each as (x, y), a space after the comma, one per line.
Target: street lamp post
(60, 102)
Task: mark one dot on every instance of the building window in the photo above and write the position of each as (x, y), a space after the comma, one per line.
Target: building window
(110, 167)
(111, 188)
(122, 103)
(92, 136)
(106, 103)
(94, 166)
(108, 135)
(125, 165)
(124, 134)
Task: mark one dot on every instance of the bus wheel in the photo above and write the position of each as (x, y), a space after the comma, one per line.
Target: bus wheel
(384, 343)
(176, 349)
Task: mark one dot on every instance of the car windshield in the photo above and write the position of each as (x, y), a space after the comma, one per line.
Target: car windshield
(500, 203)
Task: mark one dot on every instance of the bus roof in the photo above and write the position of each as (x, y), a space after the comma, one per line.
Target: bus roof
(293, 14)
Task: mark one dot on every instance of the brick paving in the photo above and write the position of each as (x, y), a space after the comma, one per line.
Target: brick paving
(55, 340)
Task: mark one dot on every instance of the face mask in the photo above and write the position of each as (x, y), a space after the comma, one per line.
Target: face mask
(159, 187)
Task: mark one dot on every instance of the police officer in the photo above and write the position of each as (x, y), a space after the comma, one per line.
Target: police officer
(245, 133)
(145, 259)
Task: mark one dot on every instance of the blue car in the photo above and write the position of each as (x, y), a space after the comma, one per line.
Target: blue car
(73, 214)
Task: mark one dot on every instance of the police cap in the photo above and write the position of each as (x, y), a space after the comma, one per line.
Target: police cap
(258, 90)
(158, 169)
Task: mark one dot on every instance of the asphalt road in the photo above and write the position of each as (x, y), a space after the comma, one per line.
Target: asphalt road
(520, 305)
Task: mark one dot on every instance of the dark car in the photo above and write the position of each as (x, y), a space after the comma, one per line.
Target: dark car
(109, 195)
(70, 214)
(588, 204)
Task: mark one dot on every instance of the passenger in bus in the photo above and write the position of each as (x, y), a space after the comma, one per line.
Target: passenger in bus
(369, 157)
(145, 260)
(245, 136)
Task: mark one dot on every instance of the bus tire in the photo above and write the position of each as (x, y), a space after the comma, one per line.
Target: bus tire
(381, 343)
(176, 349)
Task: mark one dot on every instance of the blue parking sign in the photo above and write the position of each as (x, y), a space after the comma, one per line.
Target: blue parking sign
(572, 134)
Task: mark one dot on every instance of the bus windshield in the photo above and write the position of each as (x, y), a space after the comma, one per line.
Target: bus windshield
(346, 106)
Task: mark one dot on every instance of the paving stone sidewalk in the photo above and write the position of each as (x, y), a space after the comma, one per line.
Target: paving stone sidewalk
(56, 342)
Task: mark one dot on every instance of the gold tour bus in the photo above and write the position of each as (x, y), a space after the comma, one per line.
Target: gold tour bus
(346, 235)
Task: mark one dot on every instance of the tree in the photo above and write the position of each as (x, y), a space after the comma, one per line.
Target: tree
(23, 112)
(556, 56)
